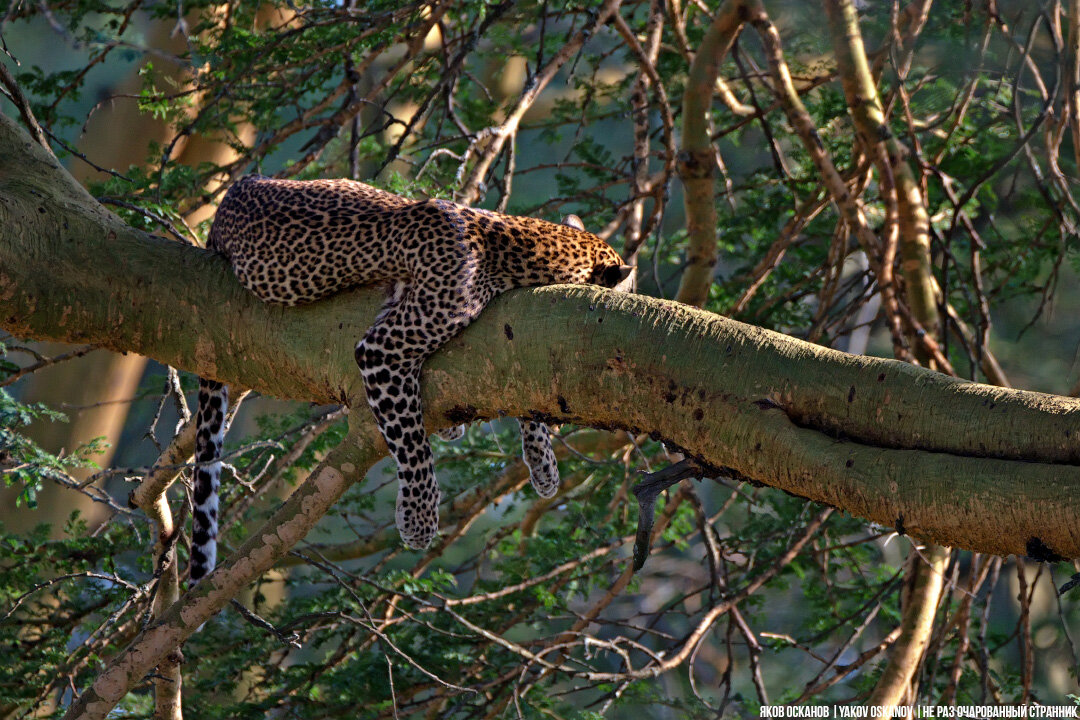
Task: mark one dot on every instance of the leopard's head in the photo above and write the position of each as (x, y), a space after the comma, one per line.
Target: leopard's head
(608, 269)
(612, 275)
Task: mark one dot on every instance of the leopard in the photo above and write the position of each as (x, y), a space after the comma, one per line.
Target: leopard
(291, 242)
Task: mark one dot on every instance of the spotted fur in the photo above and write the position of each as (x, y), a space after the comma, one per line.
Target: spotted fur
(540, 457)
(209, 439)
(293, 242)
(451, 434)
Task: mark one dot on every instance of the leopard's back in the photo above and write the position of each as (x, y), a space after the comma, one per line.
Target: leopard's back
(294, 242)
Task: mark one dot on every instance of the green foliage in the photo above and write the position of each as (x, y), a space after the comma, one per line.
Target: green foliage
(26, 465)
(54, 593)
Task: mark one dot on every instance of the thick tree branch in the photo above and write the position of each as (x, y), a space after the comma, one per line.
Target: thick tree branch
(894, 171)
(919, 604)
(953, 462)
(697, 158)
(905, 204)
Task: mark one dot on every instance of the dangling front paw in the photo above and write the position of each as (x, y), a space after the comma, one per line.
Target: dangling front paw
(417, 513)
(540, 457)
(452, 433)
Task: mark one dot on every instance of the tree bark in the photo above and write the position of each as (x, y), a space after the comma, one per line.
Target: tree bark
(697, 157)
(902, 196)
(919, 603)
(959, 463)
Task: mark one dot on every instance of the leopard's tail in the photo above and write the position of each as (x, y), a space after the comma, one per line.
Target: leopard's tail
(209, 440)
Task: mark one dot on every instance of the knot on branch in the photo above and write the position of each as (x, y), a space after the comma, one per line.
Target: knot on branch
(696, 164)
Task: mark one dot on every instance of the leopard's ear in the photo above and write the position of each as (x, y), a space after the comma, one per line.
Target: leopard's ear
(573, 221)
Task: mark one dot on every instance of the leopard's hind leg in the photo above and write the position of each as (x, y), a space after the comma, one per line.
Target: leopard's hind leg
(536, 451)
(540, 457)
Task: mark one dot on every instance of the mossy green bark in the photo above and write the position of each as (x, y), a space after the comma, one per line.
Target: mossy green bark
(958, 463)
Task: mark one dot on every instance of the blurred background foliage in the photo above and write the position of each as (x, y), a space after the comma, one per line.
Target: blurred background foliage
(159, 106)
